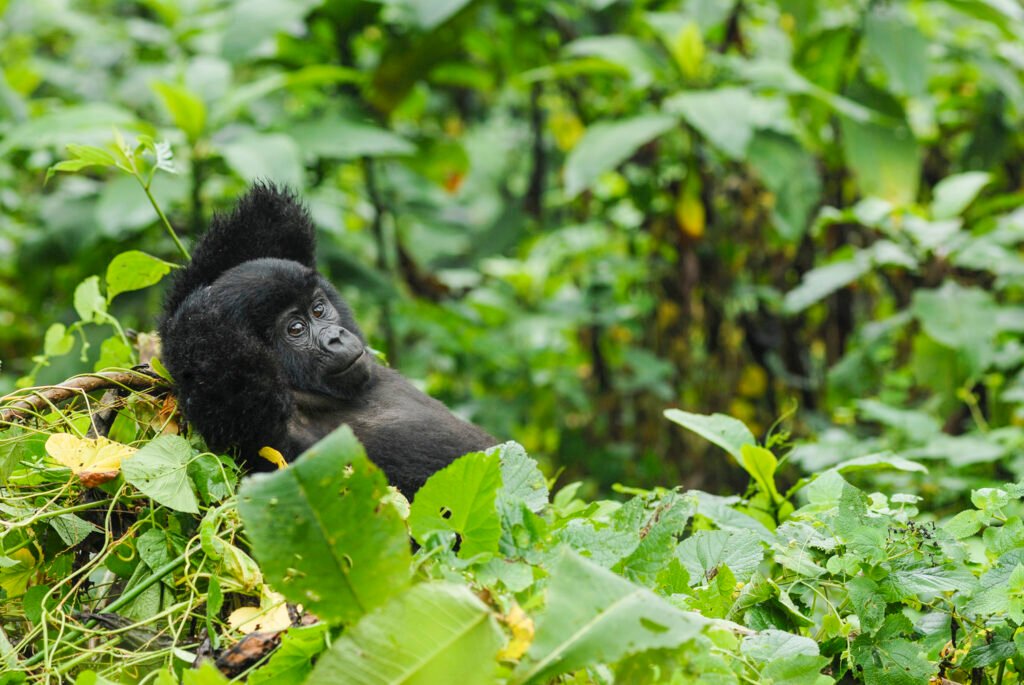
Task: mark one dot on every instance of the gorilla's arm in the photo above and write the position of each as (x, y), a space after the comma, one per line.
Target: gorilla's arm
(267, 222)
(407, 433)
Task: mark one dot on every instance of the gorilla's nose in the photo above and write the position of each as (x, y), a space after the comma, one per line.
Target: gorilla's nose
(337, 339)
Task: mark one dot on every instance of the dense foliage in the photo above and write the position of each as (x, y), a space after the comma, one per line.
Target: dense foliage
(564, 218)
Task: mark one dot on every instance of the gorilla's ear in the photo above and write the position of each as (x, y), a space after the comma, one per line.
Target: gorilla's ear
(229, 384)
(268, 221)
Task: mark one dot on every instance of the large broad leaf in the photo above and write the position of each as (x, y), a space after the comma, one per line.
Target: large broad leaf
(724, 116)
(957, 317)
(321, 533)
(900, 47)
(790, 172)
(706, 551)
(433, 633)
(522, 484)
(822, 281)
(638, 59)
(461, 498)
(345, 139)
(608, 144)
(593, 616)
(251, 25)
(953, 193)
(266, 156)
(885, 158)
(160, 471)
(728, 433)
(80, 124)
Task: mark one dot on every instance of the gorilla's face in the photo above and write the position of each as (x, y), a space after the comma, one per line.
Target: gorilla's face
(306, 325)
(317, 352)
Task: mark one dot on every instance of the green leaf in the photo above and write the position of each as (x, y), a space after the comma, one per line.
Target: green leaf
(432, 633)
(82, 156)
(626, 51)
(900, 47)
(726, 116)
(68, 125)
(822, 281)
(593, 616)
(57, 341)
(251, 25)
(760, 463)
(953, 194)
(958, 317)
(89, 303)
(867, 601)
(269, 156)
(704, 553)
(799, 669)
(461, 498)
(771, 644)
(291, 663)
(320, 534)
(659, 542)
(186, 108)
(790, 172)
(892, 661)
(428, 14)
(134, 270)
(336, 138)
(522, 485)
(885, 159)
(728, 433)
(160, 471)
(606, 145)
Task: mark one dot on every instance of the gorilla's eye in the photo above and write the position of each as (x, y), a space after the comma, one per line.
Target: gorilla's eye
(319, 309)
(296, 328)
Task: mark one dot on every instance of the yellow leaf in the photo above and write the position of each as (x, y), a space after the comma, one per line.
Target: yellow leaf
(521, 626)
(690, 215)
(93, 460)
(271, 616)
(14, 579)
(688, 50)
(273, 456)
(566, 128)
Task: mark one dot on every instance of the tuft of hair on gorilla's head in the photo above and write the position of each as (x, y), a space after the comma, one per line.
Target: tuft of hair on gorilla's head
(268, 221)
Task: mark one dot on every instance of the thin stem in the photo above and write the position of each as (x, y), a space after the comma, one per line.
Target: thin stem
(163, 218)
(74, 637)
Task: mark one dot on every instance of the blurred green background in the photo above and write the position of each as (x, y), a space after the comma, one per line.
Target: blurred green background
(563, 217)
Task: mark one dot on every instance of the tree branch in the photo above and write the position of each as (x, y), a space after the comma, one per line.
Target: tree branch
(23, 403)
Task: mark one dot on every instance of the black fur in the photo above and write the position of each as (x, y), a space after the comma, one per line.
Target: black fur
(265, 352)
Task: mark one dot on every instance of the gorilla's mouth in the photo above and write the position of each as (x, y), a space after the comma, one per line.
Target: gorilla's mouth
(344, 368)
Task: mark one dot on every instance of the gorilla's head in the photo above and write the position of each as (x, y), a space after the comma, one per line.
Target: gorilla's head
(306, 330)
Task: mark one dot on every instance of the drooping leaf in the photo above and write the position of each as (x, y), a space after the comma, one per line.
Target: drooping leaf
(607, 144)
(337, 138)
(134, 270)
(728, 433)
(593, 616)
(953, 194)
(432, 633)
(93, 460)
(320, 533)
(900, 47)
(89, 303)
(724, 116)
(187, 110)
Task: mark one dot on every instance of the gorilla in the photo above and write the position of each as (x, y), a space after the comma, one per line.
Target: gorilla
(265, 353)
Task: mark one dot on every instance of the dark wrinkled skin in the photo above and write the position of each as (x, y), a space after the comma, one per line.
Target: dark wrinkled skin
(266, 353)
